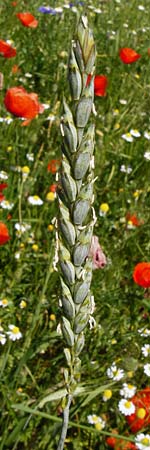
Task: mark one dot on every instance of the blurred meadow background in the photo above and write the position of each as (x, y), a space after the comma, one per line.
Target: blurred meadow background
(117, 349)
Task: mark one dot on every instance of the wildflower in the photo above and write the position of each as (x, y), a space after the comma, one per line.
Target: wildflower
(141, 413)
(107, 394)
(120, 444)
(100, 84)
(15, 69)
(126, 407)
(146, 350)
(25, 171)
(22, 104)
(3, 186)
(141, 7)
(50, 197)
(136, 194)
(53, 188)
(97, 421)
(3, 175)
(128, 390)
(140, 400)
(7, 50)
(22, 227)
(123, 101)
(5, 204)
(4, 302)
(22, 304)
(14, 333)
(98, 257)
(147, 369)
(47, 10)
(133, 219)
(127, 137)
(50, 227)
(2, 338)
(53, 165)
(128, 55)
(52, 317)
(35, 247)
(35, 200)
(30, 157)
(103, 209)
(144, 332)
(135, 133)
(125, 169)
(27, 20)
(115, 373)
(4, 234)
(141, 274)
(142, 441)
(147, 156)
(147, 135)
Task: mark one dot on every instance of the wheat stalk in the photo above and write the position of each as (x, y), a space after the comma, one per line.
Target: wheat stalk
(75, 196)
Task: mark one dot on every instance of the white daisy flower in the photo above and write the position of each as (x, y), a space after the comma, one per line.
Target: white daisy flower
(5, 204)
(22, 227)
(127, 137)
(17, 255)
(122, 101)
(128, 390)
(126, 407)
(141, 7)
(30, 157)
(2, 338)
(147, 156)
(14, 333)
(147, 135)
(144, 332)
(35, 200)
(142, 441)
(147, 369)
(3, 175)
(146, 350)
(135, 133)
(4, 302)
(115, 373)
(125, 169)
(93, 419)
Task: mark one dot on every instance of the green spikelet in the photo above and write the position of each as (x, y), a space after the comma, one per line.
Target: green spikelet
(75, 222)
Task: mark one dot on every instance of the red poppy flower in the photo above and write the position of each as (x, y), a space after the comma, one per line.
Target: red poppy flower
(7, 50)
(27, 19)
(141, 274)
(3, 186)
(22, 104)
(15, 69)
(4, 234)
(120, 444)
(140, 400)
(100, 84)
(53, 165)
(53, 188)
(128, 55)
(133, 218)
(2, 197)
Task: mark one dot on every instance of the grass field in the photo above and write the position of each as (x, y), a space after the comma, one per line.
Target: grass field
(116, 355)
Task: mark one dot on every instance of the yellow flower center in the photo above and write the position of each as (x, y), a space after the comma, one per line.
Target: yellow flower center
(36, 197)
(25, 169)
(50, 196)
(104, 207)
(145, 441)
(15, 330)
(127, 404)
(107, 394)
(141, 413)
(4, 301)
